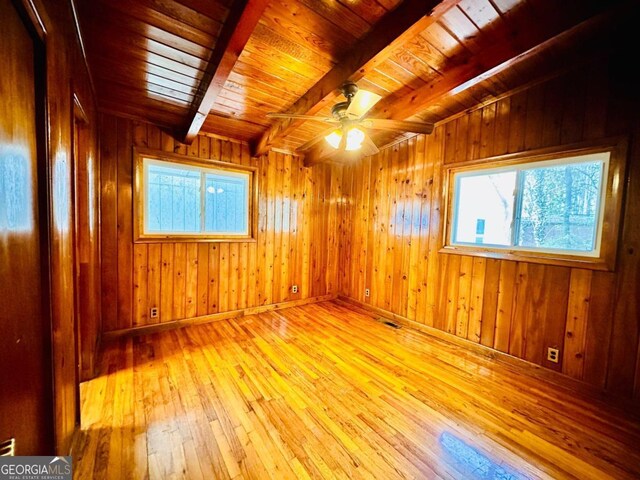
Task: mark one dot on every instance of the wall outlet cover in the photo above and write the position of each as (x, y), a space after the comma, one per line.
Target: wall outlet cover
(553, 354)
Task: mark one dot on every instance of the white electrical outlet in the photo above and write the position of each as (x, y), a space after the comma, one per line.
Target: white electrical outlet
(367, 292)
(154, 312)
(553, 355)
(294, 289)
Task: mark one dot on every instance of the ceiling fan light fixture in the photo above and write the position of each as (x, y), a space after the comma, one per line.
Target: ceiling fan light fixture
(334, 138)
(355, 137)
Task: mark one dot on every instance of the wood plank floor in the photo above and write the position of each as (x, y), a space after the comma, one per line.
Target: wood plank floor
(324, 391)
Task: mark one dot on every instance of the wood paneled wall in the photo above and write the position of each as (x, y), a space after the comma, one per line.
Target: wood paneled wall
(297, 241)
(391, 226)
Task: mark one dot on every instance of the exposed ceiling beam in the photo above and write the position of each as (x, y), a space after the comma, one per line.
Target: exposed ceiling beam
(395, 28)
(241, 21)
(470, 70)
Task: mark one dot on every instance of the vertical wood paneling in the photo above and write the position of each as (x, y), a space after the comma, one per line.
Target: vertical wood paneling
(214, 278)
(334, 192)
(501, 133)
(179, 280)
(416, 147)
(424, 195)
(125, 226)
(525, 302)
(234, 276)
(506, 285)
(464, 293)
(278, 254)
(191, 287)
(392, 235)
(576, 325)
(203, 279)
(297, 239)
(109, 221)
(223, 275)
(490, 302)
(556, 297)
(435, 156)
(306, 232)
(166, 283)
(623, 376)
(154, 272)
(598, 336)
(285, 249)
(140, 283)
(514, 307)
(476, 299)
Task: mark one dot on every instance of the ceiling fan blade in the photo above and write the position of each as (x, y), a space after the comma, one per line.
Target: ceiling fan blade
(306, 146)
(302, 117)
(368, 147)
(384, 124)
(362, 102)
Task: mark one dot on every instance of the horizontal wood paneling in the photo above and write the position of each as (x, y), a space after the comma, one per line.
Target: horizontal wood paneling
(296, 242)
(390, 233)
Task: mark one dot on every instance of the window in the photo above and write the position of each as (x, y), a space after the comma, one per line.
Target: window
(552, 208)
(179, 198)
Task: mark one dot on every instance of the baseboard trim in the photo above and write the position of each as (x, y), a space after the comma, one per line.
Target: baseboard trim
(551, 376)
(214, 317)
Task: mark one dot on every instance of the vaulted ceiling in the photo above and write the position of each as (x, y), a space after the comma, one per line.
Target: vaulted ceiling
(221, 65)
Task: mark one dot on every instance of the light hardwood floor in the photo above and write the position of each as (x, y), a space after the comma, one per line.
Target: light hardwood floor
(324, 391)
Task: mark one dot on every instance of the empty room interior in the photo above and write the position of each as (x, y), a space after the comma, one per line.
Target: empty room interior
(297, 239)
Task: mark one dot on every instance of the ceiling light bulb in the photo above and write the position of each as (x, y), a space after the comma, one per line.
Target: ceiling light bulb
(334, 138)
(355, 137)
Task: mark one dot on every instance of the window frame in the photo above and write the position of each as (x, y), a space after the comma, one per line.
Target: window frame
(139, 210)
(610, 208)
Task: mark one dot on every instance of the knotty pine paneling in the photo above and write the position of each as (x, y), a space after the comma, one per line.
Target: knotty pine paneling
(296, 242)
(391, 227)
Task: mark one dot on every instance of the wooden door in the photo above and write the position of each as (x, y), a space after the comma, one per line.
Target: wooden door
(26, 405)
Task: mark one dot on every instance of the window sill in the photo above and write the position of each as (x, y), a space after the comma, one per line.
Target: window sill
(192, 239)
(530, 257)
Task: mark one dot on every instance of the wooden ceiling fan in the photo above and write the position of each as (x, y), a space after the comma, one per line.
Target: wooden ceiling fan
(348, 131)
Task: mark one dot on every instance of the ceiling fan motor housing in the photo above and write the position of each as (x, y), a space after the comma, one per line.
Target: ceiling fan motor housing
(339, 110)
(349, 89)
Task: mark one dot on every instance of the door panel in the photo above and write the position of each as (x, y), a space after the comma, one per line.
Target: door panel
(25, 358)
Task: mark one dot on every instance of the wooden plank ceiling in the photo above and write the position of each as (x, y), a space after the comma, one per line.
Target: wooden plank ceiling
(159, 60)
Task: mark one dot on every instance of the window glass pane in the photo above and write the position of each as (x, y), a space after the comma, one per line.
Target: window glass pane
(560, 206)
(484, 208)
(173, 199)
(227, 203)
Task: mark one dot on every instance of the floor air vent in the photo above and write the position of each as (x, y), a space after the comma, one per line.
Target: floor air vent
(389, 323)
